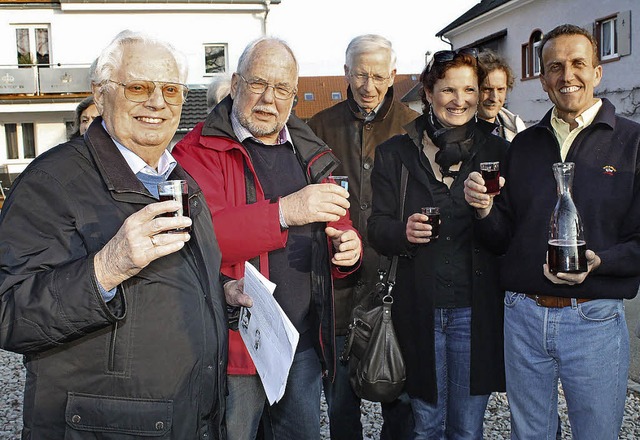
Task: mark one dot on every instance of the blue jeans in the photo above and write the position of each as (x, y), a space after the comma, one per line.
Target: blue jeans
(297, 415)
(344, 408)
(245, 404)
(458, 414)
(584, 345)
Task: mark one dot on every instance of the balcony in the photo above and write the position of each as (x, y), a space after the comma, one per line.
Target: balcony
(43, 81)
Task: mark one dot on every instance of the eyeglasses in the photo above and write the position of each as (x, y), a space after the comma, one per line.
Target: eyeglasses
(443, 56)
(140, 91)
(279, 91)
(362, 78)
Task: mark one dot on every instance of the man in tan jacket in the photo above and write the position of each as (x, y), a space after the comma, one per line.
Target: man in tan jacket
(353, 129)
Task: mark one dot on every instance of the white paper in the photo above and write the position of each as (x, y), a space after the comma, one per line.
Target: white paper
(268, 334)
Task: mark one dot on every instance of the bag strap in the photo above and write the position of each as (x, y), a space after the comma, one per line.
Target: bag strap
(404, 178)
(391, 279)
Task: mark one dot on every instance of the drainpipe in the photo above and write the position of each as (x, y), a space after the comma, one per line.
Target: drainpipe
(267, 3)
(442, 38)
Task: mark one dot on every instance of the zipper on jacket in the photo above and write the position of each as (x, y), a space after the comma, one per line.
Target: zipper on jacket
(112, 348)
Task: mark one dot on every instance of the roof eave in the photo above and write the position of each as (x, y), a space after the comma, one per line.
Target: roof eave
(459, 26)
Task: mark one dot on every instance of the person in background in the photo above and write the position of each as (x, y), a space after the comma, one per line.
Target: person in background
(217, 90)
(448, 307)
(498, 79)
(262, 171)
(353, 129)
(567, 326)
(85, 113)
(121, 320)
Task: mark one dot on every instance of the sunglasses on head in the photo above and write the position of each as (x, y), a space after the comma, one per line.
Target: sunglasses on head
(443, 56)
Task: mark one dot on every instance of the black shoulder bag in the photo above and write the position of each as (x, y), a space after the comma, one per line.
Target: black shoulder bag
(376, 365)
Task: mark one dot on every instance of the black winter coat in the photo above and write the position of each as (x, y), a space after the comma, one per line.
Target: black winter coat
(606, 191)
(151, 362)
(354, 142)
(413, 308)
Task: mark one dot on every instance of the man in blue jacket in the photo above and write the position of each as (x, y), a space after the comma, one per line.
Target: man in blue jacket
(567, 326)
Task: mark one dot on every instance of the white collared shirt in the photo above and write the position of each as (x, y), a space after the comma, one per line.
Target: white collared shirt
(562, 129)
(166, 164)
(242, 133)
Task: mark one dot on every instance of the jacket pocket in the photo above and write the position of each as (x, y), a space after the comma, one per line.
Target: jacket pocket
(116, 418)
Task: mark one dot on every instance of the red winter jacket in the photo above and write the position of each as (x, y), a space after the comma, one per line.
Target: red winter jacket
(216, 160)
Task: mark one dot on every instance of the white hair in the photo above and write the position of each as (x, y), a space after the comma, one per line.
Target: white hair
(369, 43)
(110, 60)
(216, 91)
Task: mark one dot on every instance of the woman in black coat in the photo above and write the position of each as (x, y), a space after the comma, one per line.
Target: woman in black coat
(448, 306)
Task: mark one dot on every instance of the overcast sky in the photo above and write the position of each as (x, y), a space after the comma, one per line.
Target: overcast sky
(320, 30)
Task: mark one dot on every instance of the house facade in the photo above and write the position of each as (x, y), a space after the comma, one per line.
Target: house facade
(48, 47)
(514, 28)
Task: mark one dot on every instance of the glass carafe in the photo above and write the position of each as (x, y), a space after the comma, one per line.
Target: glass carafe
(567, 246)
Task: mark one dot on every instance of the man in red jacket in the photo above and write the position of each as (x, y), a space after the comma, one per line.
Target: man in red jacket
(261, 170)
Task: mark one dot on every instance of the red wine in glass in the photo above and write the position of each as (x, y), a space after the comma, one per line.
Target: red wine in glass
(179, 191)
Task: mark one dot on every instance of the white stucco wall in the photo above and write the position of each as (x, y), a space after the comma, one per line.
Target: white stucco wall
(621, 79)
(78, 36)
(78, 32)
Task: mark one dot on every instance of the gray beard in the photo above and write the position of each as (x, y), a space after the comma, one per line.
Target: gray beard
(256, 130)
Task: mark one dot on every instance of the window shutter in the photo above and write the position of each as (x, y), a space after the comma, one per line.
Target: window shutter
(624, 33)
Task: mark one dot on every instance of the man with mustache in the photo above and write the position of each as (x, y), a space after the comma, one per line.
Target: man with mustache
(262, 172)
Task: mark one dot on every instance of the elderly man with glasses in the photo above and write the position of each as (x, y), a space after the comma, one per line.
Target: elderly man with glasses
(263, 172)
(122, 320)
(353, 129)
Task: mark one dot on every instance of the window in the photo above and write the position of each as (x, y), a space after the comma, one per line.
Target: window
(21, 143)
(608, 42)
(11, 132)
(613, 35)
(32, 44)
(336, 96)
(536, 58)
(530, 55)
(309, 96)
(215, 58)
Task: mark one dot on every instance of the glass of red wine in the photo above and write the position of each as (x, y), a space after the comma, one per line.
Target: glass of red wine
(433, 219)
(175, 190)
(491, 176)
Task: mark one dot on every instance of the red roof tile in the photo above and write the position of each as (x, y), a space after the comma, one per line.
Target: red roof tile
(322, 88)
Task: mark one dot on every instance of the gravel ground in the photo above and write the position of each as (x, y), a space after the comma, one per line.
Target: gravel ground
(496, 419)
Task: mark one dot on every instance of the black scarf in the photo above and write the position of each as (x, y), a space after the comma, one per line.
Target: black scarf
(454, 143)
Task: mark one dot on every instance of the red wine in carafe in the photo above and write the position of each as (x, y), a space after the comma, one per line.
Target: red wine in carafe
(567, 257)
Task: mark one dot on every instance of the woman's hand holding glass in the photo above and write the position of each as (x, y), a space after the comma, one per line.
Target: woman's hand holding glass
(418, 231)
